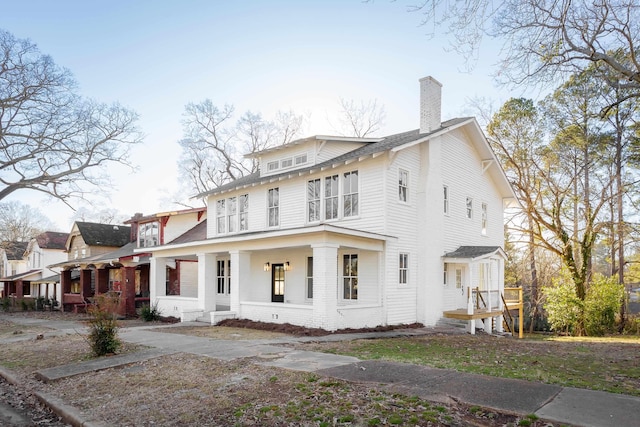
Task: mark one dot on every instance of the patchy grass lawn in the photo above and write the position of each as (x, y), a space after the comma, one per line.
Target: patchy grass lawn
(608, 364)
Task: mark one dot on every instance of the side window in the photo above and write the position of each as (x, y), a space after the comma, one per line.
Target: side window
(274, 207)
(403, 269)
(445, 273)
(469, 207)
(350, 276)
(458, 278)
(350, 195)
(484, 218)
(221, 276)
(313, 200)
(446, 199)
(309, 277)
(403, 185)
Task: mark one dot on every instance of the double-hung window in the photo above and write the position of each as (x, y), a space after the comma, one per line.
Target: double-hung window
(403, 185)
(350, 276)
(484, 218)
(350, 194)
(403, 268)
(221, 276)
(274, 207)
(445, 193)
(469, 207)
(331, 197)
(243, 208)
(232, 214)
(220, 216)
(309, 277)
(313, 200)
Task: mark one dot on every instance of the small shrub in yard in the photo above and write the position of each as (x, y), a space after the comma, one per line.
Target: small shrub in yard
(150, 313)
(5, 303)
(103, 326)
(24, 305)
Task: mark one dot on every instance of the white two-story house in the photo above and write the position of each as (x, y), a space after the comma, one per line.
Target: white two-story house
(340, 232)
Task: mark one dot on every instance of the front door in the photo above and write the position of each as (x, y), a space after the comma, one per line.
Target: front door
(277, 282)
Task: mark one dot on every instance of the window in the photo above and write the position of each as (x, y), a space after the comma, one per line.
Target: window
(484, 218)
(350, 197)
(220, 215)
(286, 163)
(232, 214)
(445, 273)
(243, 208)
(403, 269)
(446, 199)
(350, 276)
(221, 277)
(148, 234)
(115, 280)
(309, 277)
(301, 159)
(313, 200)
(274, 207)
(458, 278)
(271, 166)
(331, 197)
(469, 207)
(403, 184)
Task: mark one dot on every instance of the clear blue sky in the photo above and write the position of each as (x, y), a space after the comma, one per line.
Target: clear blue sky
(156, 56)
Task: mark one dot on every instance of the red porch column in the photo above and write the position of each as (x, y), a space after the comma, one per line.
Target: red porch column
(85, 283)
(65, 282)
(102, 281)
(19, 290)
(128, 295)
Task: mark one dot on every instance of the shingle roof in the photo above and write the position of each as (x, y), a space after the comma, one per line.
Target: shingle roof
(197, 233)
(52, 240)
(387, 143)
(15, 250)
(472, 251)
(95, 234)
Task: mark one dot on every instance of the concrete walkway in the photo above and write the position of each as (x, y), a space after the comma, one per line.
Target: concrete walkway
(560, 404)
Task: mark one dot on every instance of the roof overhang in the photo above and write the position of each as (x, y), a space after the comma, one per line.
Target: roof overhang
(468, 254)
(310, 139)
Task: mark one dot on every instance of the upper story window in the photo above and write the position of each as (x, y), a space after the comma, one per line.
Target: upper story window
(301, 159)
(286, 163)
(484, 218)
(403, 185)
(271, 166)
(220, 216)
(148, 234)
(331, 197)
(274, 207)
(469, 207)
(313, 200)
(243, 208)
(446, 199)
(232, 214)
(350, 195)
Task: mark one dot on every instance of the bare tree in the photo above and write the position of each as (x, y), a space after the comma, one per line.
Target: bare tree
(102, 216)
(20, 222)
(52, 140)
(360, 119)
(215, 149)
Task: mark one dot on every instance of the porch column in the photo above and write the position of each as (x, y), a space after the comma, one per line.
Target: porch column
(325, 286)
(102, 281)
(128, 296)
(157, 278)
(19, 289)
(207, 282)
(65, 281)
(85, 283)
(240, 274)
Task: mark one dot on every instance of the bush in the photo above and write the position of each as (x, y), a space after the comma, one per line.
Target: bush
(24, 304)
(596, 315)
(103, 326)
(5, 303)
(632, 325)
(150, 313)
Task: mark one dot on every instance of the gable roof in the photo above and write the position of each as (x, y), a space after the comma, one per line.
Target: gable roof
(14, 250)
(52, 240)
(199, 232)
(95, 234)
(370, 149)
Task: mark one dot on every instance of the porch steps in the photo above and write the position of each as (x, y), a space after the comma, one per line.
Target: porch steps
(215, 317)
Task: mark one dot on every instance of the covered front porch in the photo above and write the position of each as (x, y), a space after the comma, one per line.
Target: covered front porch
(321, 277)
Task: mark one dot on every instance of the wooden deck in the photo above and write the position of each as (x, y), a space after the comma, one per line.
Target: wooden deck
(461, 314)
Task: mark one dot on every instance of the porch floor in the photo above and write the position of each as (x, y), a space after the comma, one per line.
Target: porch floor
(461, 314)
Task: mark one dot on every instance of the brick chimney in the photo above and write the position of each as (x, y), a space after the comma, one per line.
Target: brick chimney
(430, 104)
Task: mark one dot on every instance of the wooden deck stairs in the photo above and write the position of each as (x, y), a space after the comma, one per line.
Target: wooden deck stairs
(477, 308)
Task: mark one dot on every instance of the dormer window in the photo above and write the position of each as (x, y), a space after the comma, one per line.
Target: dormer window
(301, 159)
(148, 234)
(271, 166)
(286, 163)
